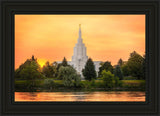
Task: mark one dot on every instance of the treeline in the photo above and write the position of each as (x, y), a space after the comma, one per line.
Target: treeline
(33, 74)
(134, 68)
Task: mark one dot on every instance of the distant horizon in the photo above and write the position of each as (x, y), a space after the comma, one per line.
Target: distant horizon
(53, 37)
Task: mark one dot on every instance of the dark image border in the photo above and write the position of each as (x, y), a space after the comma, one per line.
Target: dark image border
(148, 7)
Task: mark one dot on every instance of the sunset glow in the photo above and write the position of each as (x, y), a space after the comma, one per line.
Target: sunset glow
(52, 37)
(41, 62)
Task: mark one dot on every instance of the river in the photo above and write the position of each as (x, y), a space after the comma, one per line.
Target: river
(115, 96)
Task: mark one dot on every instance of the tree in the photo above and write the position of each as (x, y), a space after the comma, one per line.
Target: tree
(64, 62)
(105, 66)
(125, 70)
(117, 83)
(49, 70)
(89, 71)
(77, 80)
(144, 67)
(136, 65)
(49, 83)
(30, 68)
(108, 78)
(69, 76)
(120, 62)
(29, 71)
(118, 72)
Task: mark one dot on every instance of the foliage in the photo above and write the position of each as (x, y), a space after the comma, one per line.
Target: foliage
(108, 79)
(49, 70)
(120, 62)
(129, 78)
(49, 83)
(125, 70)
(30, 71)
(117, 82)
(105, 66)
(86, 84)
(134, 84)
(118, 72)
(135, 65)
(69, 76)
(77, 80)
(89, 71)
(64, 62)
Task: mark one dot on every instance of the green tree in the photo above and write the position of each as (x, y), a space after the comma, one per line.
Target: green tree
(118, 72)
(144, 67)
(105, 66)
(108, 78)
(17, 74)
(64, 62)
(89, 71)
(69, 76)
(135, 65)
(125, 70)
(77, 80)
(29, 71)
(49, 83)
(120, 62)
(118, 83)
(49, 70)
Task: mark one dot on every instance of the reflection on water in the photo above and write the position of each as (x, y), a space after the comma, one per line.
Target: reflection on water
(81, 96)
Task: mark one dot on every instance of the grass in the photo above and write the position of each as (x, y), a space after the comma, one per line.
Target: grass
(87, 85)
(129, 78)
(133, 81)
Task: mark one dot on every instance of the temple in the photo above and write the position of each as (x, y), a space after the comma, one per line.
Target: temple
(79, 57)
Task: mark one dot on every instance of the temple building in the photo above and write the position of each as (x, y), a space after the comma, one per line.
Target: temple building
(80, 57)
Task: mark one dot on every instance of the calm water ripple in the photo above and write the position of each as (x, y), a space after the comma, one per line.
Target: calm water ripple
(80, 96)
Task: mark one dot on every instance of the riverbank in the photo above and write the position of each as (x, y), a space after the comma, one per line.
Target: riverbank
(96, 85)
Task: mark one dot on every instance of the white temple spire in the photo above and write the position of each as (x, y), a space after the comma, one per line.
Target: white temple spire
(80, 31)
(79, 57)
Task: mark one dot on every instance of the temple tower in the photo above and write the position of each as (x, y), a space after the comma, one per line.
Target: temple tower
(79, 57)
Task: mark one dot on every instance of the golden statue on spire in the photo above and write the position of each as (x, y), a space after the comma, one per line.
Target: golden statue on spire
(79, 26)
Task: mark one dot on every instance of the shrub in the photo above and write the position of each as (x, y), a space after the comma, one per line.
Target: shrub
(48, 83)
(117, 83)
(107, 79)
(77, 80)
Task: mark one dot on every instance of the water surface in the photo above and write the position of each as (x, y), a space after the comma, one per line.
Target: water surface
(81, 96)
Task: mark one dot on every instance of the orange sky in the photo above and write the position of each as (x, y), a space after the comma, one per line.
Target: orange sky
(51, 37)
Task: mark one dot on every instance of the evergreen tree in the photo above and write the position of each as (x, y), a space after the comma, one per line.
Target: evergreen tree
(64, 62)
(89, 71)
(118, 72)
(120, 62)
